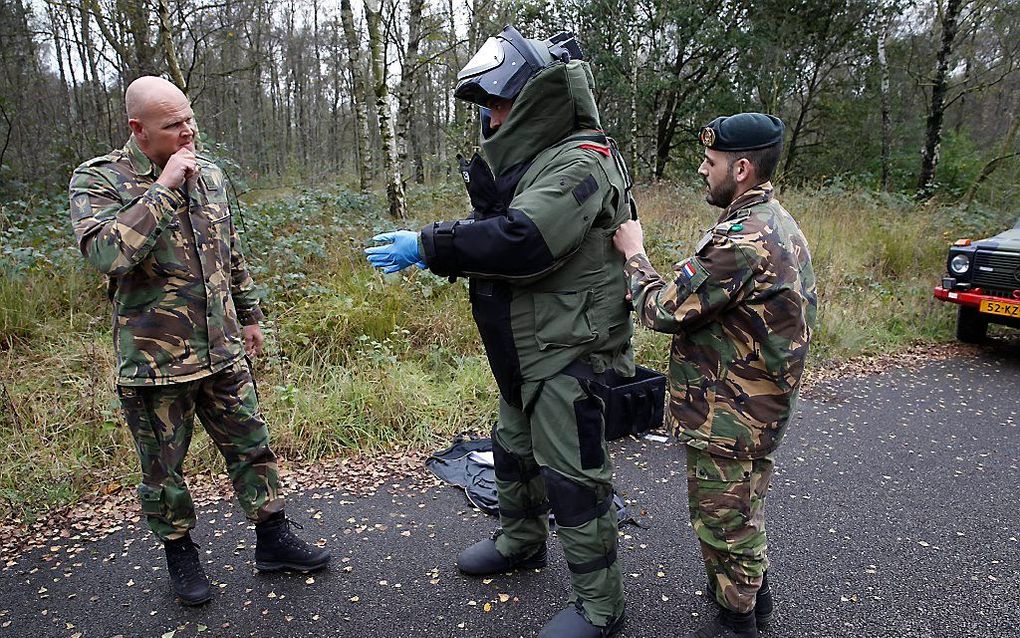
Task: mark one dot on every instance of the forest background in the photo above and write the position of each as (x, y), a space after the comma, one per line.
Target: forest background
(336, 120)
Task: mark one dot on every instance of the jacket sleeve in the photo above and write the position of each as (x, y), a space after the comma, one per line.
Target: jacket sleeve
(719, 276)
(545, 225)
(113, 235)
(242, 287)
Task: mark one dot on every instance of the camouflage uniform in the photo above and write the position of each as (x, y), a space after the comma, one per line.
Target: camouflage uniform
(741, 311)
(181, 292)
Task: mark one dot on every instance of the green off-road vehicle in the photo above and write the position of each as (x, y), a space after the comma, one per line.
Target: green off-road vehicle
(984, 279)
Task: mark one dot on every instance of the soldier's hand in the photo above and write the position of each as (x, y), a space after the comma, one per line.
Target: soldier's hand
(253, 340)
(629, 238)
(181, 167)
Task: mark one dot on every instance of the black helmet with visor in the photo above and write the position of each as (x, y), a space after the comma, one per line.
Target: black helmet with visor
(507, 61)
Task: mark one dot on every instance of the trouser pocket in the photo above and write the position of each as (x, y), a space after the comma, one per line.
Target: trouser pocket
(588, 415)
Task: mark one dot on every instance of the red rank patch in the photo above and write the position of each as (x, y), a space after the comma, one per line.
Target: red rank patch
(595, 147)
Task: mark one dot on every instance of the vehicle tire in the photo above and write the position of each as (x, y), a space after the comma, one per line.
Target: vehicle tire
(971, 327)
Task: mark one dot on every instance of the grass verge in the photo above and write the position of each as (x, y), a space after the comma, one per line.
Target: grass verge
(358, 360)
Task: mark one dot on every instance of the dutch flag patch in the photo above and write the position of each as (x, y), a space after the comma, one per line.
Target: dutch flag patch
(688, 269)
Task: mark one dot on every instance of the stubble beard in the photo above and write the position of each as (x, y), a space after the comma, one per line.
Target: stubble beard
(722, 195)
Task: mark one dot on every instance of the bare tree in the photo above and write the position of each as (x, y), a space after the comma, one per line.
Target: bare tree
(391, 167)
(169, 51)
(1004, 153)
(409, 85)
(883, 70)
(358, 95)
(937, 108)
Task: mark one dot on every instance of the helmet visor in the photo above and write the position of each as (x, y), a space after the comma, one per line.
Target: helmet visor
(488, 58)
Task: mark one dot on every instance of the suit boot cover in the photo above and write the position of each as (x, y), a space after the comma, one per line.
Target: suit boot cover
(187, 578)
(763, 604)
(277, 547)
(572, 623)
(483, 559)
(729, 624)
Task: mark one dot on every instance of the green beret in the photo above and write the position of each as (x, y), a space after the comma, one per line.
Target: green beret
(742, 132)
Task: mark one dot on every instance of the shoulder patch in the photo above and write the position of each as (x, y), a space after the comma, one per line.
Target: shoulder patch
(96, 161)
(690, 274)
(80, 206)
(585, 189)
(731, 226)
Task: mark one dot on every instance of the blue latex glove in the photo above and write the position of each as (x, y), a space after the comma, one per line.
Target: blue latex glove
(399, 253)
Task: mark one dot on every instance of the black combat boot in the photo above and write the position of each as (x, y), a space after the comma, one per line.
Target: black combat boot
(763, 605)
(729, 624)
(572, 623)
(277, 547)
(483, 559)
(187, 578)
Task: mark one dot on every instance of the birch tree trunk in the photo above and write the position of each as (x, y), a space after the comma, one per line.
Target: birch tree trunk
(357, 96)
(391, 168)
(409, 84)
(883, 70)
(632, 45)
(939, 89)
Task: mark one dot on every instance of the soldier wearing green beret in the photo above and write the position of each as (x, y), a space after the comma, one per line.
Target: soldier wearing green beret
(741, 311)
(155, 219)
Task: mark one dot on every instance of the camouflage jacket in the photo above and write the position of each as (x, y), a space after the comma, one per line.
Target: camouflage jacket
(177, 279)
(741, 311)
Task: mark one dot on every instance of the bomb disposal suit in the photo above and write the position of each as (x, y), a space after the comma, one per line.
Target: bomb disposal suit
(548, 295)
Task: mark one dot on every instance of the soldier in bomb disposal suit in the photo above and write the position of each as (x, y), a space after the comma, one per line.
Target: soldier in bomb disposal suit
(741, 310)
(548, 191)
(154, 217)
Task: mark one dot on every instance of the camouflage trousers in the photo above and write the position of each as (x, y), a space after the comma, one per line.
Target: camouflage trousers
(161, 420)
(553, 454)
(727, 507)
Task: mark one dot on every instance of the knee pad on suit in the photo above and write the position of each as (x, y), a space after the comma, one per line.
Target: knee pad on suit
(510, 466)
(573, 504)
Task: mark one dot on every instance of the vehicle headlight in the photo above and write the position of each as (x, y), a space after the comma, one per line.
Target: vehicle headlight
(959, 264)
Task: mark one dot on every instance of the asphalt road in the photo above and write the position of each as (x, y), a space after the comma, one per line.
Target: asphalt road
(894, 512)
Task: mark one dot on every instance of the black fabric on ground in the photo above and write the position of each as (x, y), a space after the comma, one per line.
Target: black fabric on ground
(455, 466)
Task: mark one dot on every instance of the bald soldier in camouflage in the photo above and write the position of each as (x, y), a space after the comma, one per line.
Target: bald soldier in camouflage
(741, 310)
(154, 217)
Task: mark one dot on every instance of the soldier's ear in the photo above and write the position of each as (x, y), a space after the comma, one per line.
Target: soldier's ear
(743, 170)
(136, 126)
